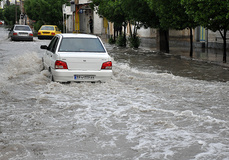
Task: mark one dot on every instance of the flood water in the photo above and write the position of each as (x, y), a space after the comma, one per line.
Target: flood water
(176, 64)
(156, 106)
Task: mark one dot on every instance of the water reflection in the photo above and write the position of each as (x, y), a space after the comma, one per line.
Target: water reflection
(209, 55)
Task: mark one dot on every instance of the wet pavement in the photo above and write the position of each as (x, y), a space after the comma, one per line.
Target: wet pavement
(208, 55)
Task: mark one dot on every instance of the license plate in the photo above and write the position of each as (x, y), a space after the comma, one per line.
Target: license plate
(84, 77)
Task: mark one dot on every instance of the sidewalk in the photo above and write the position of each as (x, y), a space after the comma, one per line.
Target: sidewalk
(180, 48)
(214, 56)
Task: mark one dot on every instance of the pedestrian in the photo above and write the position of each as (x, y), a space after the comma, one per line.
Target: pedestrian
(91, 25)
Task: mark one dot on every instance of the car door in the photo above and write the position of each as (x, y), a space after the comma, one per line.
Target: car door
(50, 52)
(53, 55)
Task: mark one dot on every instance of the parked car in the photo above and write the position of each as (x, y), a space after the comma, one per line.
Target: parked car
(77, 57)
(21, 32)
(48, 31)
(1, 22)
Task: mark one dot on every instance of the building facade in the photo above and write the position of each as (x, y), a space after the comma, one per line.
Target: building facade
(82, 13)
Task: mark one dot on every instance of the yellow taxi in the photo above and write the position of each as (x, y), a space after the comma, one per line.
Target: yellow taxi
(48, 31)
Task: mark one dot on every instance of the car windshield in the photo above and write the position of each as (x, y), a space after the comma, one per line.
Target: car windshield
(81, 45)
(22, 28)
(47, 28)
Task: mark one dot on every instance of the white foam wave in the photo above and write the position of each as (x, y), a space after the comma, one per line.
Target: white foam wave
(28, 63)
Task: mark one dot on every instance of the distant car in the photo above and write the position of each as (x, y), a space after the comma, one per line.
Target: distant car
(77, 57)
(48, 31)
(21, 32)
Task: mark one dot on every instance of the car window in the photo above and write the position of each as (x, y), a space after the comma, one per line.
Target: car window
(57, 29)
(53, 44)
(47, 28)
(22, 28)
(81, 45)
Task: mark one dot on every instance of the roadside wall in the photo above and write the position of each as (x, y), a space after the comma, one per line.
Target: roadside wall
(98, 24)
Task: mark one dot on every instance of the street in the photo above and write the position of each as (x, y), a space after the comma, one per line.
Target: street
(156, 107)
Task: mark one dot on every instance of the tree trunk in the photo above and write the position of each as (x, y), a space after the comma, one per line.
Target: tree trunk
(191, 43)
(114, 32)
(225, 46)
(163, 41)
(224, 36)
(131, 35)
(125, 34)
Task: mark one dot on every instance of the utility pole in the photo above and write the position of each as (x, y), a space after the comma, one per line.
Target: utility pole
(22, 16)
(64, 12)
(15, 11)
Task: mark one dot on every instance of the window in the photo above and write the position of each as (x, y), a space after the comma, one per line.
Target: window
(81, 45)
(47, 28)
(22, 28)
(57, 29)
(53, 44)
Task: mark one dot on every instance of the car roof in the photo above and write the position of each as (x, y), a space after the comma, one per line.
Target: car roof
(77, 35)
(50, 25)
(20, 25)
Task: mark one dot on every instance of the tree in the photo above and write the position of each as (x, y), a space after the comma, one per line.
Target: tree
(1, 14)
(172, 15)
(139, 15)
(212, 14)
(9, 14)
(155, 6)
(120, 12)
(113, 11)
(45, 11)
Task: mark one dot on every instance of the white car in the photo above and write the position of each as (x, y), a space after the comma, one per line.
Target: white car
(21, 33)
(77, 57)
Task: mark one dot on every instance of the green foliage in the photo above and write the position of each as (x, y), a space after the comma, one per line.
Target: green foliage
(121, 41)
(9, 14)
(38, 25)
(139, 11)
(45, 11)
(123, 12)
(111, 9)
(111, 40)
(134, 41)
(212, 14)
(172, 14)
(1, 14)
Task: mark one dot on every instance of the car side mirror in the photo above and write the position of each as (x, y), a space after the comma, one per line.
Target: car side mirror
(44, 47)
